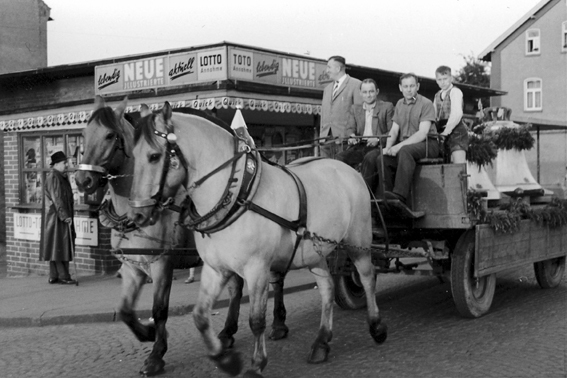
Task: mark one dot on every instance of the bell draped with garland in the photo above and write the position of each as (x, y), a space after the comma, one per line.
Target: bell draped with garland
(502, 191)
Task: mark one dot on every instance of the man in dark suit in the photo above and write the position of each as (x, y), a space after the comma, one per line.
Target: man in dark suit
(338, 97)
(372, 117)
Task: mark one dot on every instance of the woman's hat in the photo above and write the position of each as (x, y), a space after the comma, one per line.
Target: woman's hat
(57, 157)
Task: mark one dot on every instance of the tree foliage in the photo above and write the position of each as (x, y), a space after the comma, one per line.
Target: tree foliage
(474, 72)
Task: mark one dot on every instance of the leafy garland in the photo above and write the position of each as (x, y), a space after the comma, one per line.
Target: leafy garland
(481, 150)
(507, 218)
(485, 143)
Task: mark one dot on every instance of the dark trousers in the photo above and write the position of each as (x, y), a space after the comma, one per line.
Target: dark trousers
(354, 155)
(331, 149)
(59, 270)
(398, 170)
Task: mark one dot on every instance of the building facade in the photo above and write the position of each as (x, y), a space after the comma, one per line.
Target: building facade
(23, 46)
(529, 62)
(23, 36)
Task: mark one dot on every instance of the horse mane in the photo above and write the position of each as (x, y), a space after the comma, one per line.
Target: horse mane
(145, 125)
(207, 116)
(106, 117)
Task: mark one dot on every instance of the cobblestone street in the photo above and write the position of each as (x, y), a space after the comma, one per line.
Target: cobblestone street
(524, 335)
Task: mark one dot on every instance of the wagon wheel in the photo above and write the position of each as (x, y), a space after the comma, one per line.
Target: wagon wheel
(472, 295)
(549, 273)
(349, 292)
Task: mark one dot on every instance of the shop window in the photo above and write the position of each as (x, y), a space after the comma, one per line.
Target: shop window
(564, 36)
(532, 94)
(35, 155)
(532, 42)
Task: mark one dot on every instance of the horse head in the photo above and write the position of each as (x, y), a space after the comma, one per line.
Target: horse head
(162, 168)
(107, 140)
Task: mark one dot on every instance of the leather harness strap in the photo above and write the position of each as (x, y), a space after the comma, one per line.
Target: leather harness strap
(298, 226)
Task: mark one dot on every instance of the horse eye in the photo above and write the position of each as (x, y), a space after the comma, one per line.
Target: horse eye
(110, 136)
(154, 158)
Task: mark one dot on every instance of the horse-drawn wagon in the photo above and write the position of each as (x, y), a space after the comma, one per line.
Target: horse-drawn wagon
(467, 225)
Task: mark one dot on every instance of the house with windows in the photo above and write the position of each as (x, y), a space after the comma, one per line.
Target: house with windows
(529, 62)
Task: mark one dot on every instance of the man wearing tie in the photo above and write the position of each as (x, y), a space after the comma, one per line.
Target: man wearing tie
(338, 97)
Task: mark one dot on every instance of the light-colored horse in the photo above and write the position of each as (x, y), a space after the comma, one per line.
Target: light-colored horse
(338, 208)
(108, 140)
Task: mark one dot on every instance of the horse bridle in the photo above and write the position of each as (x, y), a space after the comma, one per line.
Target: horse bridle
(119, 145)
(174, 159)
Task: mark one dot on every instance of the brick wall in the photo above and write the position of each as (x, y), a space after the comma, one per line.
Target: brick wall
(2, 206)
(22, 256)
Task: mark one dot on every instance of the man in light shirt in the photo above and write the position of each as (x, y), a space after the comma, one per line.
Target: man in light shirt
(371, 118)
(406, 145)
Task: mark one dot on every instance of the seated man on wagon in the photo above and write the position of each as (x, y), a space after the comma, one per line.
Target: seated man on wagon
(372, 117)
(413, 120)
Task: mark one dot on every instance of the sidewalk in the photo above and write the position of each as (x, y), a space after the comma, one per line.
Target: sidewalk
(31, 301)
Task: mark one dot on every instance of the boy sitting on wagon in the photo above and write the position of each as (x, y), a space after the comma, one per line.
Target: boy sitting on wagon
(448, 104)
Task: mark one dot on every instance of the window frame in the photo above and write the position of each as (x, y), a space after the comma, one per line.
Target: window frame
(533, 40)
(42, 167)
(528, 91)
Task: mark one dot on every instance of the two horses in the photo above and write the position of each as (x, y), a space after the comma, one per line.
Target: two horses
(108, 140)
(174, 150)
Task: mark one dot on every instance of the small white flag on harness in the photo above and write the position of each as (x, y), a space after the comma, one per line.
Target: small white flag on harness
(239, 126)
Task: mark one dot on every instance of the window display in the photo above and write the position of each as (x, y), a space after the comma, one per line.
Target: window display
(35, 156)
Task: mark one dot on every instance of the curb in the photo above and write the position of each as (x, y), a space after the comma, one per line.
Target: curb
(106, 317)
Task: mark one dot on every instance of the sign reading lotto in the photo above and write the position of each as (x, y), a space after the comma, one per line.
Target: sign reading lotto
(210, 65)
(161, 71)
(28, 227)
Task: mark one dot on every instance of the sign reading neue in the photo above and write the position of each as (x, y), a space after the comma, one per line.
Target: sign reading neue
(210, 65)
(161, 71)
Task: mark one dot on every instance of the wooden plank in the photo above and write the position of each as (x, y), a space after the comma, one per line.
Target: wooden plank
(533, 242)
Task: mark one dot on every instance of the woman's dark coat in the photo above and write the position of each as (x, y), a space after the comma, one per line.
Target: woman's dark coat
(56, 242)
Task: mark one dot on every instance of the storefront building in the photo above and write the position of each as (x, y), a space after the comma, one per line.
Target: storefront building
(45, 110)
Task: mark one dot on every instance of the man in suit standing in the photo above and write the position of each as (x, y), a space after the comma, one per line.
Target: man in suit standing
(338, 97)
(373, 117)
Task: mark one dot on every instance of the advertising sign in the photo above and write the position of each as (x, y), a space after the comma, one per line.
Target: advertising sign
(211, 65)
(86, 230)
(266, 68)
(28, 227)
(161, 71)
(182, 69)
(142, 74)
(241, 64)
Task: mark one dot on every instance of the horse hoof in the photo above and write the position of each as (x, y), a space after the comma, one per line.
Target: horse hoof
(278, 333)
(226, 341)
(252, 374)
(319, 353)
(229, 362)
(379, 332)
(152, 367)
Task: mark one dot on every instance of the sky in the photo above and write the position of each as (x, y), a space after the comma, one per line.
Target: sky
(398, 35)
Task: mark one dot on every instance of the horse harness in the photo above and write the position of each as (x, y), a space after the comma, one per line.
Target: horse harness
(238, 194)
